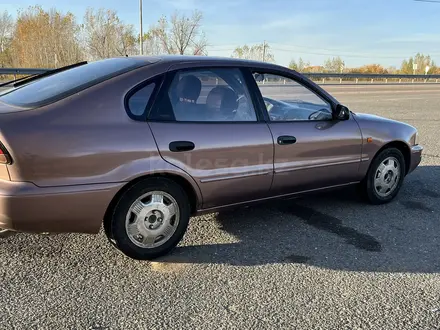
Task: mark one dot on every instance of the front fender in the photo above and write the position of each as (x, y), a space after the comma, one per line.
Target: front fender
(378, 132)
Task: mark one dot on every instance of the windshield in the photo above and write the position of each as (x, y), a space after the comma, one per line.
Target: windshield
(55, 87)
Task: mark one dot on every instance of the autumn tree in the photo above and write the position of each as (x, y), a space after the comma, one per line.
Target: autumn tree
(45, 39)
(256, 52)
(152, 45)
(178, 35)
(334, 65)
(422, 62)
(105, 35)
(6, 31)
(314, 69)
(300, 66)
(370, 68)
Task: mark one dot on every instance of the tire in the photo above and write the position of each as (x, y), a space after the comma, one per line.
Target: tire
(378, 192)
(138, 217)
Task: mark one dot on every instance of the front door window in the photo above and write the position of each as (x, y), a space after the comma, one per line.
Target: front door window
(287, 100)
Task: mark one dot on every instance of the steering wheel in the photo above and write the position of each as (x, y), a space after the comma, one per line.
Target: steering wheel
(319, 115)
(277, 114)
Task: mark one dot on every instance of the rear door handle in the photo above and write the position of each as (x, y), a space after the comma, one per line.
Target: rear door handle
(286, 139)
(180, 146)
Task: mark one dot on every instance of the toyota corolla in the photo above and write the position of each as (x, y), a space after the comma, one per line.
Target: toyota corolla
(140, 144)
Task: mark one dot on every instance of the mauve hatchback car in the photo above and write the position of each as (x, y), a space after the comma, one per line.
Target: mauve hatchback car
(140, 144)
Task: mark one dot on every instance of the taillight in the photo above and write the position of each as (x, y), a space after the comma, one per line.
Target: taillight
(5, 158)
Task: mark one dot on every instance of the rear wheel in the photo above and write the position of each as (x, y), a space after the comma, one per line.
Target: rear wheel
(150, 219)
(385, 176)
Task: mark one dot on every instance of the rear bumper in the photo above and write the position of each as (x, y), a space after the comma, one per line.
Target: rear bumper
(416, 157)
(28, 208)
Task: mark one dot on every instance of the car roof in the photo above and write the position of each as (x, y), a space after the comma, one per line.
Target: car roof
(176, 59)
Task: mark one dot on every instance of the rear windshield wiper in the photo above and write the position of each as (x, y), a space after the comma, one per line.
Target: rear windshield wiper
(21, 81)
(16, 80)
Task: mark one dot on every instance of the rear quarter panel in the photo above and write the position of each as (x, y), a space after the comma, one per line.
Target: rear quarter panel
(87, 138)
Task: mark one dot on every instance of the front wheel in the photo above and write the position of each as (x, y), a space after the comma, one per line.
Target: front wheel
(150, 219)
(385, 176)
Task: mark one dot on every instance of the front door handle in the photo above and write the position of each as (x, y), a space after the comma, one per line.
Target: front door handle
(286, 139)
(180, 146)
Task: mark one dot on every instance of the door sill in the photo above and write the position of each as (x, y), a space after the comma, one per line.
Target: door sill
(298, 194)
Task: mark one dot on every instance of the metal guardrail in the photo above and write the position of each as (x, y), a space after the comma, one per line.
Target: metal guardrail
(356, 77)
(322, 75)
(371, 75)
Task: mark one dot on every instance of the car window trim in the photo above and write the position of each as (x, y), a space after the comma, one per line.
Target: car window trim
(302, 80)
(166, 82)
(256, 95)
(158, 80)
(298, 79)
(168, 79)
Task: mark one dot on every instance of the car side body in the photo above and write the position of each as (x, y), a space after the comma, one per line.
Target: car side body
(73, 158)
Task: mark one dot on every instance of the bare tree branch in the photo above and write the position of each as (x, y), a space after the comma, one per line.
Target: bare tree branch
(6, 30)
(181, 36)
(106, 36)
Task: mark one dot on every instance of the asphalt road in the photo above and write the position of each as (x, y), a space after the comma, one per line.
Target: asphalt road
(322, 262)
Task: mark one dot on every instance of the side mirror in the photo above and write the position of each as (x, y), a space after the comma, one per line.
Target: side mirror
(341, 112)
(259, 77)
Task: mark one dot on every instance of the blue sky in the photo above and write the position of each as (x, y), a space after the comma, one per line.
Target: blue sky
(360, 31)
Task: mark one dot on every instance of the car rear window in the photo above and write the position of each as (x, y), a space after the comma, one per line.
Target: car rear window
(52, 88)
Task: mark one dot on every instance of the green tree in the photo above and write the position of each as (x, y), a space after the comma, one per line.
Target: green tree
(422, 61)
(255, 52)
(293, 65)
(300, 66)
(334, 65)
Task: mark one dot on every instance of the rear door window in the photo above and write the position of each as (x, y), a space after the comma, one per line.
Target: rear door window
(206, 95)
(52, 88)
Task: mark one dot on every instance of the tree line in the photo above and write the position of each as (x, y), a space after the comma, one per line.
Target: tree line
(48, 39)
(337, 64)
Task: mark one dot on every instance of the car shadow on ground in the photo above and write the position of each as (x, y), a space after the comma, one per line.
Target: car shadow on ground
(335, 230)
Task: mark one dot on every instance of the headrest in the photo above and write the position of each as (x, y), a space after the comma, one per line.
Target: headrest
(189, 88)
(228, 97)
